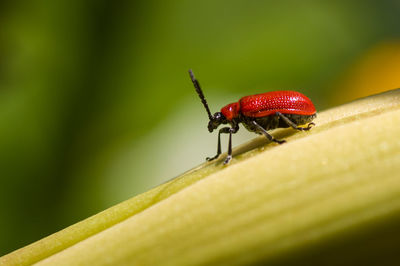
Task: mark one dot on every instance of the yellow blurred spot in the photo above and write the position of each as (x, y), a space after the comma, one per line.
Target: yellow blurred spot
(376, 71)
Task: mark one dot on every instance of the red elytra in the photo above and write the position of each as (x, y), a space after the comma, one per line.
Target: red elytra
(259, 113)
(265, 104)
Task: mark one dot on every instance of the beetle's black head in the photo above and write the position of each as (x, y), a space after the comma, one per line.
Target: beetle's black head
(217, 119)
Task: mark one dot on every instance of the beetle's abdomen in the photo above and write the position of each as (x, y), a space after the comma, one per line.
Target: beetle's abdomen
(285, 102)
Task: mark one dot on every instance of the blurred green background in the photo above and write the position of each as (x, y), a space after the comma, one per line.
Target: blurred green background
(96, 104)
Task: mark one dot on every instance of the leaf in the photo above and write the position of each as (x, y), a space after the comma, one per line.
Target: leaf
(327, 196)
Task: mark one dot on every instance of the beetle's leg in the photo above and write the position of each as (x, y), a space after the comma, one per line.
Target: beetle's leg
(293, 125)
(231, 131)
(222, 130)
(263, 131)
(229, 157)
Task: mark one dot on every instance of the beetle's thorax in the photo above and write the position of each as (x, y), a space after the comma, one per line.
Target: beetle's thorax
(231, 111)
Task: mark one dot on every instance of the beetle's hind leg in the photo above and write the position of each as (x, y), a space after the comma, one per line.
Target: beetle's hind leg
(265, 133)
(292, 124)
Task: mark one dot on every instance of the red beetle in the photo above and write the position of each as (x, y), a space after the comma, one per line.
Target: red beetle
(259, 113)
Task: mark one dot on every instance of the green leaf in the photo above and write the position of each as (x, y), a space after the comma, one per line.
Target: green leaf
(327, 196)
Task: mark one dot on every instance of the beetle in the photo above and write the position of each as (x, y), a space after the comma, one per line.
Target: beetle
(259, 113)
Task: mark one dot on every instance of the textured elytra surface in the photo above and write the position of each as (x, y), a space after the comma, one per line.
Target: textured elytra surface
(285, 102)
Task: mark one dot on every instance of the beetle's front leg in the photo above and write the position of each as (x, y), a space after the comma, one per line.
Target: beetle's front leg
(231, 131)
(222, 130)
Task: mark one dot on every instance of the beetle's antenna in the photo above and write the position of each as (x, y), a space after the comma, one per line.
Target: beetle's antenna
(200, 93)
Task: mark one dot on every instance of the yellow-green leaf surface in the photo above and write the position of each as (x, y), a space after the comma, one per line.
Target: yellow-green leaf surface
(330, 195)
